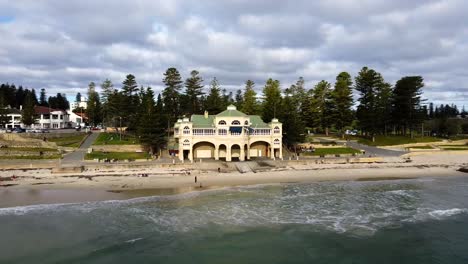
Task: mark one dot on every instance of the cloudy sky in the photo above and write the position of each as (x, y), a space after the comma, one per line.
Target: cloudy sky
(63, 45)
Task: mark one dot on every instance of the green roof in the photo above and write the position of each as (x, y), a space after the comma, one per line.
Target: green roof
(231, 113)
(257, 122)
(199, 121)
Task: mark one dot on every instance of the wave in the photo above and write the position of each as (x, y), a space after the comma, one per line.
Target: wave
(447, 213)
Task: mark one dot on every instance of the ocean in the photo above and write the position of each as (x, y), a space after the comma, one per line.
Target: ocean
(422, 220)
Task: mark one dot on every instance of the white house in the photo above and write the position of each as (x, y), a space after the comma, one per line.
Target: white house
(50, 118)
(14, 117)
(83, 103)
(228, 135)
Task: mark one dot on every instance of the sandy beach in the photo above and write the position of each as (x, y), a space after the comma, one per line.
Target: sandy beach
(24, 187)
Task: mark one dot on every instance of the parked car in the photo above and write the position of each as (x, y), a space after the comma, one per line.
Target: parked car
(19, 130)
(78, 128)
(44, 130)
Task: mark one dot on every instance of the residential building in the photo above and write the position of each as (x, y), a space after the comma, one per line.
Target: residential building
(83, 103)
(14, 117)
(228, 135)
(76, 119)
(51, 118)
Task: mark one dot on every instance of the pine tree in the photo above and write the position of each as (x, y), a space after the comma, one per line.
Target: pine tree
(4, 119)
(93, 111)
(367, 83)
(78, 97)
(28, 116)
(407, 103)
(272, 100)
(293, 125)
(171, 93)
(342, 101)
(239, 99)
(250, 105)
(194, 90)
(43, 98)
(321, 106)
(107, 89)
(150, 129)
(384, 106)
(214, 102)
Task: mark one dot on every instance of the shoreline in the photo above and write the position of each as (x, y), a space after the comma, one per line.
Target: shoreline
(26, 187)
(120, 187)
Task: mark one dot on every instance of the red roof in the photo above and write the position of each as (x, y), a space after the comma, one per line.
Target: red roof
(45, 109)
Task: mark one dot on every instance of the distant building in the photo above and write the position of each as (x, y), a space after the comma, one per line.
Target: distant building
(76, 119)
(14, 116)
(83, 103)
(50, 118)
(228, 135)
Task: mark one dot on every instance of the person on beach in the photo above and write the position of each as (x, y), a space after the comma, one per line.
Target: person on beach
(196, 179)
(219, 170)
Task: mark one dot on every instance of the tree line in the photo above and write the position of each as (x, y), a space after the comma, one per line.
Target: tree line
(382, 108)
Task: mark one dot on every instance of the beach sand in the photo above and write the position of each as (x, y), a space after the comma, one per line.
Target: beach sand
(41, 186)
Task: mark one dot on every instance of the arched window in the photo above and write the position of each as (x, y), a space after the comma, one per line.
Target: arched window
(235, 122)
(186, 130)
(276, 142)
(246, 123)
(186, 142)
(276, 130)
(222, 122)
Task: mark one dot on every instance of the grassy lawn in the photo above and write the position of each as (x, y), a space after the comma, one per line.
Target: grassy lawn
(395, 140)
(56, 156)
(421, 147)
(117, 155)
(29, 149)
(70, 141)
(332, 151)
(466, 148)
(114, 139)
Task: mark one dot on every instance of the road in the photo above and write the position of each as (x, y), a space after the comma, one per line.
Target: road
(375, 151)
(369, 150)
(76, 157)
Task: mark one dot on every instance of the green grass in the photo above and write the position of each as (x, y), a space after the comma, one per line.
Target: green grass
(117, 155)
(69, 141)
(332, 151)
(114, 139)
(395, 140)
(28, 149)
(56, 156)
(455, 148)
(421, 147)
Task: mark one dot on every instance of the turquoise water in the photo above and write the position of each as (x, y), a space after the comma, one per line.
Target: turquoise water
(407, 221)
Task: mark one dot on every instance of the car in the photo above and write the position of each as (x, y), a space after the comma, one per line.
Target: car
(78, 128)
(18, 130)
(44, 130)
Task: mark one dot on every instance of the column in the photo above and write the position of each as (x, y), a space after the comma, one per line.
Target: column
(181, 151)
(281, 153)
(272, 153)
(248, 151)
(190, 155)
(228, 153)
(216, 154)
(242, 154)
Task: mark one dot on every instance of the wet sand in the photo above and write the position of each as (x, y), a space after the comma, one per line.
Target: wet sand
(43, 187)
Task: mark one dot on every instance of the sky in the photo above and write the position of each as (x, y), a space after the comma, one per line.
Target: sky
(64, 45)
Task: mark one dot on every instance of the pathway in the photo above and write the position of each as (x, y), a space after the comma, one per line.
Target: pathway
(76, 157)
(370, 150)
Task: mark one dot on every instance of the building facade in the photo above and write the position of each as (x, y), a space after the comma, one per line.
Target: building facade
(83, 103)
(229, 135)
(50, 118)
